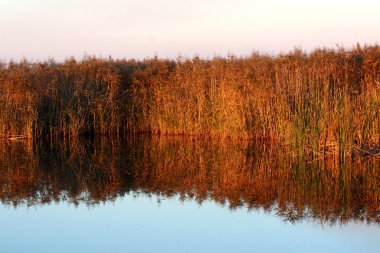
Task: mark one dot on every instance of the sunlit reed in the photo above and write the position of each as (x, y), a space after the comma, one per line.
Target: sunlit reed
(320, 103)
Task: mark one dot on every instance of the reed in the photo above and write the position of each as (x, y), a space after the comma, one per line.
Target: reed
(323, 102)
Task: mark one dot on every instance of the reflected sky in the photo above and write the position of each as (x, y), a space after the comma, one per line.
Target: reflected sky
(144, 224)
(149, 194)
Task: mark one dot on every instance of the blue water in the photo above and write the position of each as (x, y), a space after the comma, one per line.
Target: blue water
(146, 224)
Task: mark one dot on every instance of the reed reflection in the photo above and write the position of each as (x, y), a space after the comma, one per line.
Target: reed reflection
(229, 173)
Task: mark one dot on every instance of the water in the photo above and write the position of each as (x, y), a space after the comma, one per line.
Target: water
(183, 195)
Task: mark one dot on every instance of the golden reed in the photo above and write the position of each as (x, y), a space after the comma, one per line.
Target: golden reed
(326, 101)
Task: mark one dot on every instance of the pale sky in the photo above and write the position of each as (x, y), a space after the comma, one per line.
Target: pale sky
(39, 29)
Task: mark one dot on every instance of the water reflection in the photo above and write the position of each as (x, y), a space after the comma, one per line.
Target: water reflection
(233, 174)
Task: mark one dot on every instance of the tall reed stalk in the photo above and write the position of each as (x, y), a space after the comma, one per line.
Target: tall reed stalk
(326, 101)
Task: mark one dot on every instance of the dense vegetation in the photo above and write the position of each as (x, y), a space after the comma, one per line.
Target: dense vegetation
(321, 102)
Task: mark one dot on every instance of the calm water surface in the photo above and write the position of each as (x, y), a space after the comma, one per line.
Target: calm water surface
(177, 195)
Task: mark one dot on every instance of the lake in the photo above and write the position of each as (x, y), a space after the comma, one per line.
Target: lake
(173, 194)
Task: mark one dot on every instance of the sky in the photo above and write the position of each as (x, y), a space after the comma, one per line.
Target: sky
(42, 29)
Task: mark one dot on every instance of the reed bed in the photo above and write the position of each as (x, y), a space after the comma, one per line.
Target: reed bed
(323, 102)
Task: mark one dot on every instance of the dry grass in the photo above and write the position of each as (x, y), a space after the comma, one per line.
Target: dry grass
(324, 102)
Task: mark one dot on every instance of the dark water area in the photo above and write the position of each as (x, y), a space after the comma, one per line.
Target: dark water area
(148, 194)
